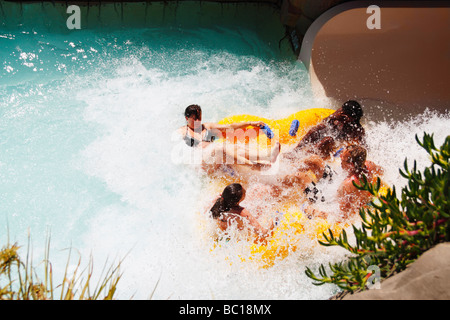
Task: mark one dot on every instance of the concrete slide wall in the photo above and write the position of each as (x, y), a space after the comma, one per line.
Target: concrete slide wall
(403, 67)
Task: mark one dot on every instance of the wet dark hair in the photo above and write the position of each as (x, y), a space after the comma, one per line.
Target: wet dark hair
(325, 146)
(193, 110)
(229, 199)
(357, 156)
(353, 109)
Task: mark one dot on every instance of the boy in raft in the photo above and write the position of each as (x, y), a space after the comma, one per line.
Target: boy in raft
(343, 125)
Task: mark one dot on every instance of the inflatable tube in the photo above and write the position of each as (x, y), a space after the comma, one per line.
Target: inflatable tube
(294, 232)
(279, 129)
(289, 236)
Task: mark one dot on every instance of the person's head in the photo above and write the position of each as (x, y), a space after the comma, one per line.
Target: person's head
(231, 196)
(193, 114)
(325, 147)
(352, 109)
(353, 158)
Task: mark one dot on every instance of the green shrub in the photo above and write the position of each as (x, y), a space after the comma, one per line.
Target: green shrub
(19, 280)
(395, 231)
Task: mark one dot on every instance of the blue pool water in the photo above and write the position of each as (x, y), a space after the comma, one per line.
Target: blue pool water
(86, 135)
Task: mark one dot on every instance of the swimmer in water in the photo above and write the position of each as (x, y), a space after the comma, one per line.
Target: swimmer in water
(350, 199)
(227, 211)
(354, 162)
(319, 155)
(312, 167)
(319, 163)
(198, 134)
(299, 174)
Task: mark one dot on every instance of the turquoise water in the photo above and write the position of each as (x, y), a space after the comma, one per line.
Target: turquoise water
(87, 143)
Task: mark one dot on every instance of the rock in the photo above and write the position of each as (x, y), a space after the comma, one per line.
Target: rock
(428, 278)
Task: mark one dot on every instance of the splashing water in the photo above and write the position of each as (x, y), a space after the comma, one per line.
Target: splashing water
(86, 147)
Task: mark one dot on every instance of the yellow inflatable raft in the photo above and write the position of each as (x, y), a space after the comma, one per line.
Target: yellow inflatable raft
(292, 234)
(295, 232)
(280, 128)
(281, 133)
(294, 224)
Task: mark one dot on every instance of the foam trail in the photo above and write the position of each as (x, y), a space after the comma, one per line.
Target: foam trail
(161, 199)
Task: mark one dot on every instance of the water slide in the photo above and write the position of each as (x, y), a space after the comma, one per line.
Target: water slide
(87, 117)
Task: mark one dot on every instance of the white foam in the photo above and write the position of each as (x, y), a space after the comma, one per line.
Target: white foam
(138, 109)
(157, 224)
